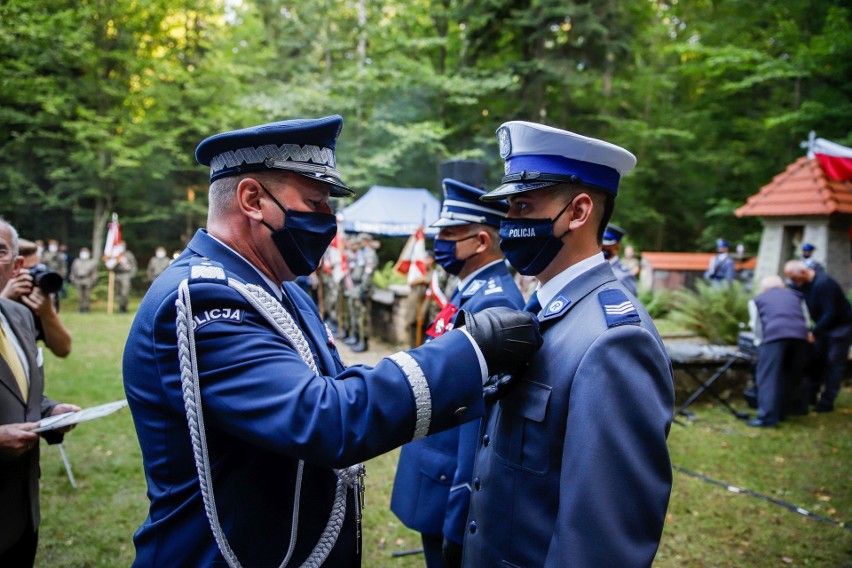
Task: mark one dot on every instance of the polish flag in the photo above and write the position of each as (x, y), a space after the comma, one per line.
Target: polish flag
(412, 260)
(113, 251)
(836, 160)
(435, 292)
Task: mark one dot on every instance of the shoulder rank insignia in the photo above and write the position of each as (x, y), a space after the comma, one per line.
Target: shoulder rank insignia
(617, 308)
(555, 308)
(493, 287)
(206, 270)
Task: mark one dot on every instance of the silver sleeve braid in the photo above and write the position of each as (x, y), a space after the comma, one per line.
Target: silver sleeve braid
(283, 323)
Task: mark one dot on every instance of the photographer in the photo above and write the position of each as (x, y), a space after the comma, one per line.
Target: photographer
(21, 287)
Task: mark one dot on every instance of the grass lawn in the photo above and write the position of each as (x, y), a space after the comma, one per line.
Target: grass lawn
(805, 462)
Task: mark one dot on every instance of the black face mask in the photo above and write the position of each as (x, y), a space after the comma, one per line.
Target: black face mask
(304, 238)
(445, 255)
(529, 244)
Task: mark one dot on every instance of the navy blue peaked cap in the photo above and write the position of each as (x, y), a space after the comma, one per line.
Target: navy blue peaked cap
(462, 206)
(808, 247)
(613, 234)
(304, 146)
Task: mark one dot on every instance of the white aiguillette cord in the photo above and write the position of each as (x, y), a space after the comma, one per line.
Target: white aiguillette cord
(283, 323)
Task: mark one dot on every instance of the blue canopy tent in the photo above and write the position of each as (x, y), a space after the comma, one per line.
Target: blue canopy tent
(392, 211)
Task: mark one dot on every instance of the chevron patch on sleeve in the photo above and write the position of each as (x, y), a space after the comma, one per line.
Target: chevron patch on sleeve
(617, 308)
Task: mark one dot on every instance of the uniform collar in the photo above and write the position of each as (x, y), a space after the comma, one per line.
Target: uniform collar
(548, 291)
(469, 278)
(613, 260)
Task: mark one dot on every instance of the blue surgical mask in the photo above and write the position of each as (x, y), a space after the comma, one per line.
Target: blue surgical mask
(529, 244)
(304, 238)
(445, 255)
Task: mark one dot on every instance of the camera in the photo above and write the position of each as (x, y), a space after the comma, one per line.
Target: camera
(49, 282)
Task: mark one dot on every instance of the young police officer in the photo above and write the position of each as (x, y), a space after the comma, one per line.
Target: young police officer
(431, 490)
(572, 467)
(247, 419)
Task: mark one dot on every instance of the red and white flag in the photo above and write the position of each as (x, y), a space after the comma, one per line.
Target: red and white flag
(412, 260)
(435, 291)
(113, 251)
(336, 261)
(836, 160)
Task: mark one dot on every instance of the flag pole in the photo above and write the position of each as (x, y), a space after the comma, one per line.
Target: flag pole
(110, 290)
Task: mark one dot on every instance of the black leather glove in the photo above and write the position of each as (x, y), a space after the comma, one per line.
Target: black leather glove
(498, 386)
(452, 554)
(506, 337)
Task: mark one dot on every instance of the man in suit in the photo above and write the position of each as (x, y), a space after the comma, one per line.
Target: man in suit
(431, 491)
(22, 405)
(251, 428)
(572, 467)
(832, 315)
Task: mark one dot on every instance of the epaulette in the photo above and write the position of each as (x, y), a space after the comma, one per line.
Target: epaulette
(203, 269)
(617, 308)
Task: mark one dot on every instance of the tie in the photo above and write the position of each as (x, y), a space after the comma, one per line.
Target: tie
(533, 305)
(7, 351)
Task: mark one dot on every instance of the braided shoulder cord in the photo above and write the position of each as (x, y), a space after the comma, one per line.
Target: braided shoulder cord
(283, 323)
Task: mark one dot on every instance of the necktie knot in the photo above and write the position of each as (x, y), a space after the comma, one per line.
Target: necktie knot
(533, 305)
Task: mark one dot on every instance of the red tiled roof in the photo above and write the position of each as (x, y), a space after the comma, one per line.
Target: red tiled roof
(694, 261)
(801, 189)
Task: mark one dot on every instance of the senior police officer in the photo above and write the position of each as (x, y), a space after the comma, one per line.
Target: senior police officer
(572, 468)
(611, 246)
(250, 426)
(431, 490)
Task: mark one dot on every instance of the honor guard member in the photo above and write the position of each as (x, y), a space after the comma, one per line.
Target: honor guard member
(720, 271)
(808, 260)
(611, 246)
(157, 264)
(84, 276)
(431, 491)
(572, 467)
(251, 428)
(365, 263)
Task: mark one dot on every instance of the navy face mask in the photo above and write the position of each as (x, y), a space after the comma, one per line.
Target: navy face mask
(529, 244)
(445, 255)
(304, 238)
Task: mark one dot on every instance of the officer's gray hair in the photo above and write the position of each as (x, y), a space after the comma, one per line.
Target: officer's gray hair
(14, 233)
(221, 195)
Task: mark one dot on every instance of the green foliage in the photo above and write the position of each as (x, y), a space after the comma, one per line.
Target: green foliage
(387, 276)
(658, 303)
(716, 313)
(103, 102)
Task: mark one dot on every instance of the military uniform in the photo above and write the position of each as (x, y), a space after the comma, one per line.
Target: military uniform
(56, 262)
(572, 467)
(364, 265)
(84, 276)
(125, 270)
(156, 266)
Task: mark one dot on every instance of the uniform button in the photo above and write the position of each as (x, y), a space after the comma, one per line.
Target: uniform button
(443, 477)
(476, 484)
(485, 440)
(472, 527)
(460, 410)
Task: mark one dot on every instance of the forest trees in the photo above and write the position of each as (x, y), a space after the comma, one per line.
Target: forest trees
(103, 101)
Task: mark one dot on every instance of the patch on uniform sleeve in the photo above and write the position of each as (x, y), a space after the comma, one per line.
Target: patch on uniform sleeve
(473, 288)
(228, 315)
(206, 270)
(617, 308)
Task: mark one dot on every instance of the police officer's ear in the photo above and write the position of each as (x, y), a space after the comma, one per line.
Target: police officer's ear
(581, 211)
(484, 239)
(249, 193)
